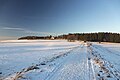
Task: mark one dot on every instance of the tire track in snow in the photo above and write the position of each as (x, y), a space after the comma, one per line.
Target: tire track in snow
(106, 66)
(64, 64)
(60, 64)
(90, 63)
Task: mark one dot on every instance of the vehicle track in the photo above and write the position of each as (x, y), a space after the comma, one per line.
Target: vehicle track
(107, 67)
(84, 70)
(54, 71)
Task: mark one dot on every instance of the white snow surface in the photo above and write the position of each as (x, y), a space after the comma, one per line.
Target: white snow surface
(59, 60)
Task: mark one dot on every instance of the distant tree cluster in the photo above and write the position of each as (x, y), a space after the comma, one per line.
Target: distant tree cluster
(35, 37)
(94, 37)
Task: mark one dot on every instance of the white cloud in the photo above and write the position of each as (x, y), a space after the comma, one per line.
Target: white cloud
(11, 28)
(26, 31)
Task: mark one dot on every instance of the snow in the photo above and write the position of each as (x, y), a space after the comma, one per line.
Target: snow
(59, 60)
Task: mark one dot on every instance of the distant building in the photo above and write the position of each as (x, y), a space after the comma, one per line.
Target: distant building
(52, 38)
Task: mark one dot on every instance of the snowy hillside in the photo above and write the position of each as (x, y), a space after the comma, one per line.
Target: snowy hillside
(59, 60)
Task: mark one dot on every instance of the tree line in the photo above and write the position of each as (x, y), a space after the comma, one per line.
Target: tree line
(94, 37)
(34, 37)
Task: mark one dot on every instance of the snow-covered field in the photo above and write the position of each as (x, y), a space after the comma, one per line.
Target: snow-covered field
(59, 60)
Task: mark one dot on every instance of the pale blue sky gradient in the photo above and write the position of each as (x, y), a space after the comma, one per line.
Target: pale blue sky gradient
(45, 17)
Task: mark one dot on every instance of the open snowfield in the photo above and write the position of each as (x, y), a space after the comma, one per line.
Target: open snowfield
(59, 60)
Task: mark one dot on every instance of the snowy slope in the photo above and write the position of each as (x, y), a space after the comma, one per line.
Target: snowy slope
(59, 60)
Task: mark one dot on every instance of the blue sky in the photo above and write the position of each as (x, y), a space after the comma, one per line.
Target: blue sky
(54, 17)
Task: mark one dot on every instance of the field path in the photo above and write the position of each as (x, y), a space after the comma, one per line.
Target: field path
(76, 66)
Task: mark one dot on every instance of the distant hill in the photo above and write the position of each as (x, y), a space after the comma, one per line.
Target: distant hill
(95, 37)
